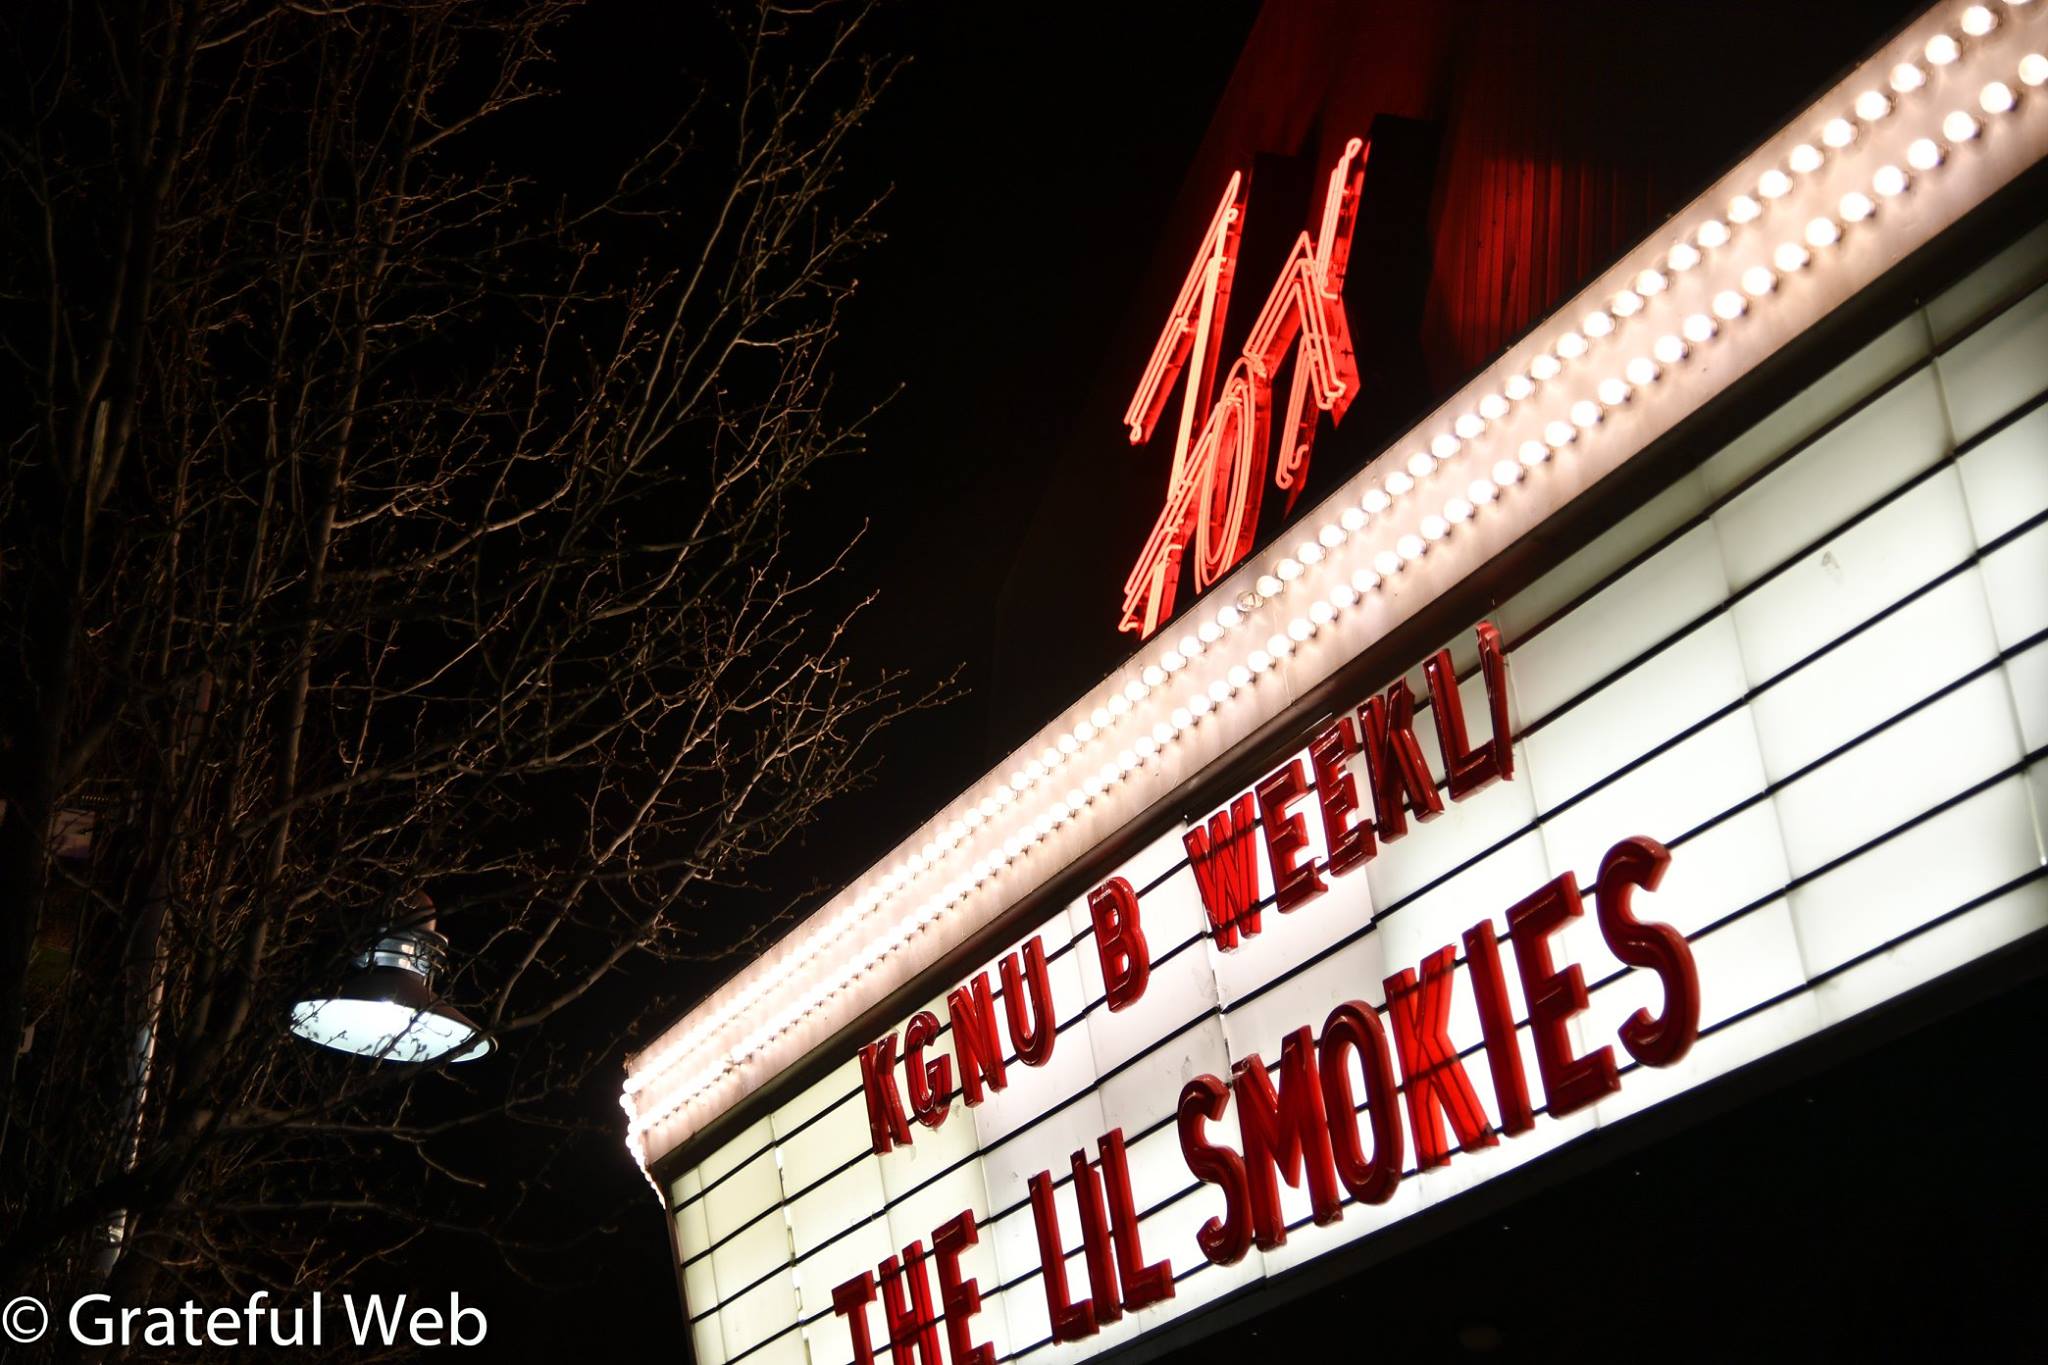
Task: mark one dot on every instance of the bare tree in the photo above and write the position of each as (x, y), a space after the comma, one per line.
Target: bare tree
(370, 534)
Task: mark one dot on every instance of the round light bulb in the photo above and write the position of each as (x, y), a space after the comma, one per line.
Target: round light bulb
(1352, 519)
(1669, 349)
(1942, 49)
(1682, 257)
(1585, 414)
(1435, 527)
(1387, 563)
(1532, 453)
(1598, 324)
(1399, 483)
(1268, 586)
(1481, 492)
(1322, 613)
(1458, 511)
(1730, 305)
(1445, 445)
(1743, 209)
(1889, 181)
(1518, 388)
(1995, 98)
(1558, 435)
(1978, 20)
(1493, 407)
(1856, 206)
(1924, 154)
(1613, 392)
(1804, 159)
(1410, 548)
(2034, 69)
(1758, 281)
(1871, 106)
(1375, 501)
(1545, 367)
(1839, 132)
(1824, 231)
(1651, 282)
(1571, 345)
(1906, 78)
(1626, 304)
(1311, 551)
(1641, 371)
(1712, 233)
(1789, 256)
(1959, 126)
(1700, 328)
(1422, 464)
(1470, 426)
(1330, 537)
(1506, 472)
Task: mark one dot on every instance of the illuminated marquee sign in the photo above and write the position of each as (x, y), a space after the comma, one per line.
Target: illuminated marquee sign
(1309, 1131)
(1218, 476)
(1769, 754)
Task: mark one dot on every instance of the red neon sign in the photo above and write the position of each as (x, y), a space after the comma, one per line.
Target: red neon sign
(1219, 471)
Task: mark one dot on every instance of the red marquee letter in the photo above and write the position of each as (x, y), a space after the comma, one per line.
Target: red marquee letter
(1070, 1321)
(1337, 795)
(1027, 993)
(1120, 942)
(1283, 1133)
(850, 1301)
(975, 1040)
(1394, 762)
(1142, 1284)
(1355, 1025)
(1227, 871)
(931, 1083)
(1295, 882)
(1653, 1042)
(886, 1125)
(912, 1324)
(1569, 1082)
(1223, 1240)
(960, 1296)
(1467, 769)
(1430, 1069)
(1497, 1022)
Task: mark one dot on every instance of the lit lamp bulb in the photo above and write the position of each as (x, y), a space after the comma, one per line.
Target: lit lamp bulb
(1824, 232)
(1978, 20)
(1889, 181)
(1743, 209)
(1924, 154)
(1571, 345)
(1641, 371)
(1804, 159)
(1789, 256)
(1683, 256)
(1518, 388)
(1942, 49)
(1506, 472)
(1669, 349)
(1613, 392)
(1698, 327)
(2034, 69)
(1995, 98)
(1712, 233)
(1544, 368)
(1856, 206)
(1839, 132)
(1959, 126)
(1758, 281)
(1729, 305)
(1906, 78)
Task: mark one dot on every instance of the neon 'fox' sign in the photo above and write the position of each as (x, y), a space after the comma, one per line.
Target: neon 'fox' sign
(1219, 470)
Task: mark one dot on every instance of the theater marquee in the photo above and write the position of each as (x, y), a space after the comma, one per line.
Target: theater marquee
(1764, 755)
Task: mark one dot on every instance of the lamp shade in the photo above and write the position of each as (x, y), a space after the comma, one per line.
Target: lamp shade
(386, 1009)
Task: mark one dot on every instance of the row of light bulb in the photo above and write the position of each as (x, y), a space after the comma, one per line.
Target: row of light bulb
(1755, 283)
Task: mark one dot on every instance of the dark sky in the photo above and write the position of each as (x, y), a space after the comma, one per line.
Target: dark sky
(1033, 156)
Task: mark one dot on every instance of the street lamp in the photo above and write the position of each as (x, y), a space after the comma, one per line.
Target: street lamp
(387, 1009)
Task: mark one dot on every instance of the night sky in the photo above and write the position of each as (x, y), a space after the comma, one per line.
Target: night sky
(1034, 162)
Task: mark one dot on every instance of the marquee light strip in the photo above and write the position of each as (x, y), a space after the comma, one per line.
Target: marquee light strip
(1942, 91)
